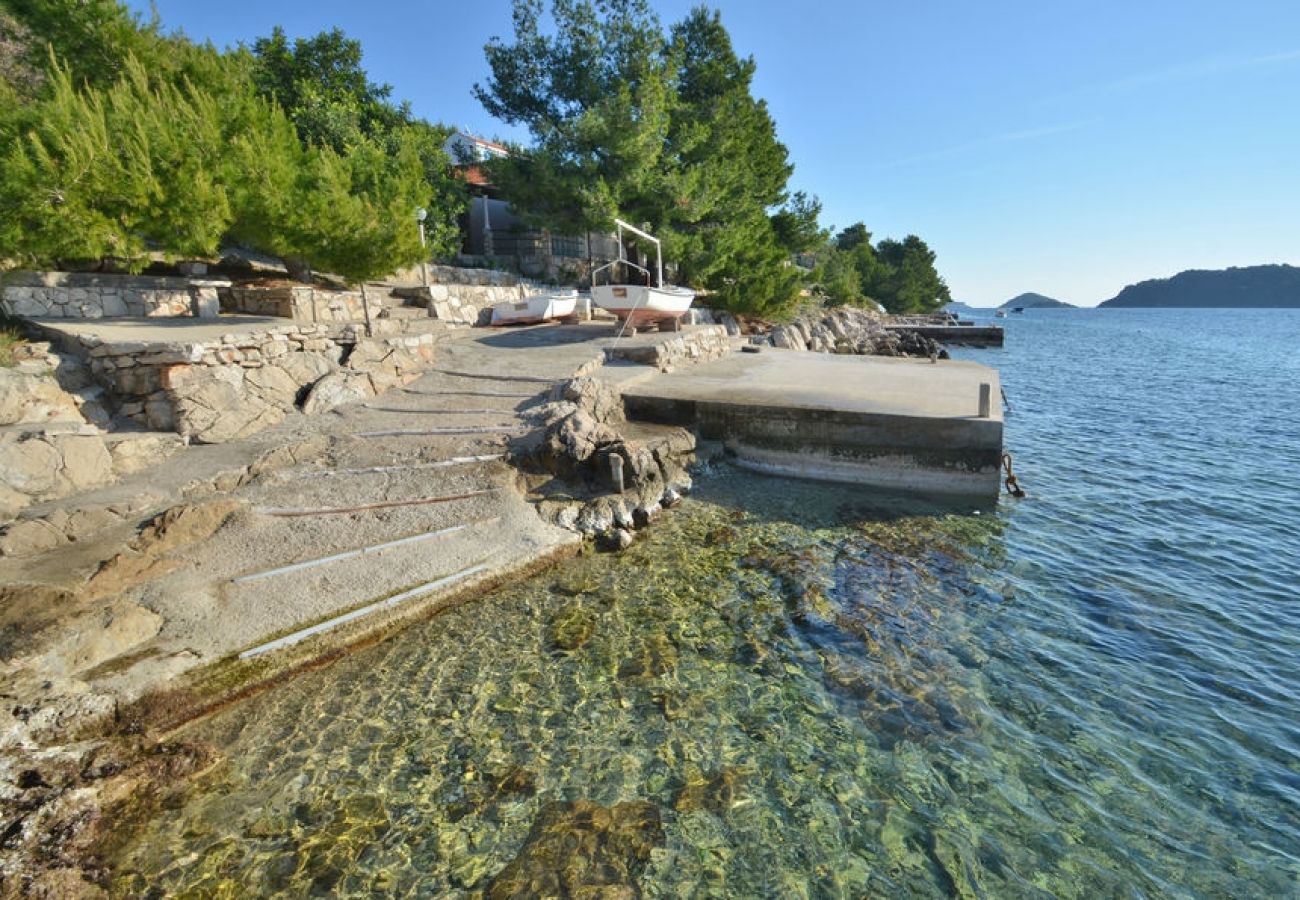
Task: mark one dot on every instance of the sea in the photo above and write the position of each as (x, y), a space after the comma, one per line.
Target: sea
(792, 689)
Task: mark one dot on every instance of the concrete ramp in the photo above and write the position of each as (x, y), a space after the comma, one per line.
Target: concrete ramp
(899, 424)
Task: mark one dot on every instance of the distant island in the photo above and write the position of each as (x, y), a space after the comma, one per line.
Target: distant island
(1250, 286)
(1036, 301)
(960, 308)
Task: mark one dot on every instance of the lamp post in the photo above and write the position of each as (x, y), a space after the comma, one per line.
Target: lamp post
(420, 215)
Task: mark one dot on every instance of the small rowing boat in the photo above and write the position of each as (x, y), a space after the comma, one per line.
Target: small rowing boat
(535, 309)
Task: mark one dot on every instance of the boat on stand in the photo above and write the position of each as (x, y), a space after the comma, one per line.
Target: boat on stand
(639, 305)
(535, 309)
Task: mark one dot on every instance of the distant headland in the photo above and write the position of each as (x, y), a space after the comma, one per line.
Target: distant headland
(1036, 301)
(1275, 286)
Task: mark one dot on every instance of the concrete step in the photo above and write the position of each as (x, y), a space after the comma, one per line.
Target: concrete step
(135, 451)
(413, 295)
(403, 312)
(324, 565)
(386, 327)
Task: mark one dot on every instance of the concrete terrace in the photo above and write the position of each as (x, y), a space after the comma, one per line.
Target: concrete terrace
(897, 424)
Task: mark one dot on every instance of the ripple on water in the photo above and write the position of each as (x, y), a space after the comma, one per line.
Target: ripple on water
(786, 691)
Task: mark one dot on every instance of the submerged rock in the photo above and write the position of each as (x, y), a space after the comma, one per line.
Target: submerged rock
(580, 849)
(571, 628)
(715, 792)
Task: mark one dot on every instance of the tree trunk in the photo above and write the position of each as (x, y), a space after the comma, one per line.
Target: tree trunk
(365, 309)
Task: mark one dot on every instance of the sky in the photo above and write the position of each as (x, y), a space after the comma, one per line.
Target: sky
(1068, 148)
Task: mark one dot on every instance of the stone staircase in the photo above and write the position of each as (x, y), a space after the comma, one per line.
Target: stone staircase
(318, 531)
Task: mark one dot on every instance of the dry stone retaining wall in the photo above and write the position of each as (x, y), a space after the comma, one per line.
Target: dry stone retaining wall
(454, 275)
(73, 295)
(302, 304)
(231, 387)
(50, 446)
(453, 303)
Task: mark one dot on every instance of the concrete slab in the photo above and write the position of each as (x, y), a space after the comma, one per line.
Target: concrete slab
(161, 330)
(867, 384)
(967, 335)
(899, 424)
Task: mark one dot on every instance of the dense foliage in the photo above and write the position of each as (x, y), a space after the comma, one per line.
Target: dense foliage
(120, 141)
(900, 276)
(657, 128)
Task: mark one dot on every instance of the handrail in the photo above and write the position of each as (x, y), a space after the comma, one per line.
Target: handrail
(659, 249)
(616, 262)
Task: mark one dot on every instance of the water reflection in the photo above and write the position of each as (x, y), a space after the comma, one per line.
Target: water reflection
(782, 691)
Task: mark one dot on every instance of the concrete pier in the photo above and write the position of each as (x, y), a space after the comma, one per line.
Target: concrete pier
(964, 335)
(899, 424)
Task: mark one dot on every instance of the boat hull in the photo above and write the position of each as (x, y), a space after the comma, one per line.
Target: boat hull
(640, 305)
(536, 309)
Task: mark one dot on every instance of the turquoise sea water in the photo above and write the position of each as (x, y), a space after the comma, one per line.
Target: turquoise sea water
(787, 689)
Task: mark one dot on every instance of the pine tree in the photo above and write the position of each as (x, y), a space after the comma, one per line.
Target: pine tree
(730, 171)
(114, 172)
(595, 97)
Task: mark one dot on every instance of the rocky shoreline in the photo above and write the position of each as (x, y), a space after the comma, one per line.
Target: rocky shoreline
(107, 632)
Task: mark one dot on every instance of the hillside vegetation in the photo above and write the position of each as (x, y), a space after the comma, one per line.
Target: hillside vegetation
(1252, 286)
(120, 141)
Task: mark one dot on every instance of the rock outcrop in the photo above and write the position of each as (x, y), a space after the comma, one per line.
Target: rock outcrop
(611, 481)
(849, 330)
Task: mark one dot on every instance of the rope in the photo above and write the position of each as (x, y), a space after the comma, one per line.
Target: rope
(1013, 486)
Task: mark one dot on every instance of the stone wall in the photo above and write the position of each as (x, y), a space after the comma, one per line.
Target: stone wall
(75, 295)
(456, 303)
(700, 343)
(302, 304)
(235, 385)
(50, 445)
(454, 275)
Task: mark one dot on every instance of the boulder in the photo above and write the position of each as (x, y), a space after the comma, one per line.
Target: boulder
(335, 390)
(599, 398)
(306, 367)
(31, 398)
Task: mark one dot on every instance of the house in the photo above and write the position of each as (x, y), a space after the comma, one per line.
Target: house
(490, 227)
(487, 212)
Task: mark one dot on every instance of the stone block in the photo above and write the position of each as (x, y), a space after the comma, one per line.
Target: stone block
(29, 537)
(29, 465)
(160, 412)
(335, 390)
(205, 303)
(273, 385)
(306, 368)
(86, 461)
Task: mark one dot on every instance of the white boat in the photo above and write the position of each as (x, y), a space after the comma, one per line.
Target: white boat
(1000, 314)
(535, 309)
(640, 304)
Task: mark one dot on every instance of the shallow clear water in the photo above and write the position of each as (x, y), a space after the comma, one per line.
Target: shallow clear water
(787, 689)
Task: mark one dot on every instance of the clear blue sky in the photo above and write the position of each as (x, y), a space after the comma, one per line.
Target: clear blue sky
(1062, 147)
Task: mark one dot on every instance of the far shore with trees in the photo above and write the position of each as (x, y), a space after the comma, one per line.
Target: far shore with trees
(120, 141)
